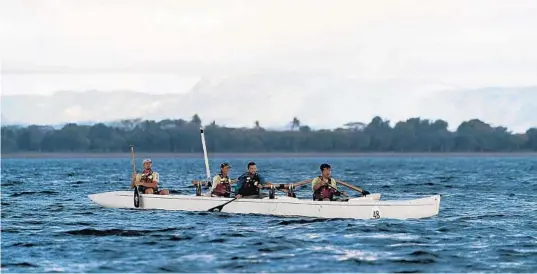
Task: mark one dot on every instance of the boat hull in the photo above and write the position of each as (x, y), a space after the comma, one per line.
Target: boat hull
(357, 208)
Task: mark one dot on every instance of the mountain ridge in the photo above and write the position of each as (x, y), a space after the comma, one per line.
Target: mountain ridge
(274, 99)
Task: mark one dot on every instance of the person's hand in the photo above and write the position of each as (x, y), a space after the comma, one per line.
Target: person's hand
(238, 196)
(325, 183)
(365, 193)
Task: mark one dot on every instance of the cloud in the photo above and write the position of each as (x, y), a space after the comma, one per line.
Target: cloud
(371, 57)
(428, 39)
(275, 98)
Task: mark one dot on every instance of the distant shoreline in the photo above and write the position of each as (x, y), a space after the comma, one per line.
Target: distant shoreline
(38, 155)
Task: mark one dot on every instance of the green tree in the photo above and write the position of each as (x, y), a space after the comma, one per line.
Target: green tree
(196, 120)
(295, 124)
(413, 135)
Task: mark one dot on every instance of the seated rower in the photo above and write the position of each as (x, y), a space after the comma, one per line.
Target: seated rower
(221, 183)
(147, 181)
(324, 187)
(249, 183)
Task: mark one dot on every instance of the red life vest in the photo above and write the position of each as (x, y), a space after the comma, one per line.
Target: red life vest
(223, 189)
(324, 191)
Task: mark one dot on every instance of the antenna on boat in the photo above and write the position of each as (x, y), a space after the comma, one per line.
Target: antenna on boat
(207, 171)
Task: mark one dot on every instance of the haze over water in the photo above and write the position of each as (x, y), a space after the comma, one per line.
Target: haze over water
(487, 220)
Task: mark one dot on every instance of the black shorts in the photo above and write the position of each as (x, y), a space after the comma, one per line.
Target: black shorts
(142, 189)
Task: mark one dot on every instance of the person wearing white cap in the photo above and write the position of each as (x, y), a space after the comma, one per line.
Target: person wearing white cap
(147, 181)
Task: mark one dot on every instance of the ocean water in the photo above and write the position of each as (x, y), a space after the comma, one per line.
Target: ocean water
(487, 220)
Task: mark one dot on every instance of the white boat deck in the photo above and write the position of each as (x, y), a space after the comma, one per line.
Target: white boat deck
(369, 207)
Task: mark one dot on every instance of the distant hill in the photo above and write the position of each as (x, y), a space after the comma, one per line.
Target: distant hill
(274, 99)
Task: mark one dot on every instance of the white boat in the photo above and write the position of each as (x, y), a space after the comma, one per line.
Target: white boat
(369, 207)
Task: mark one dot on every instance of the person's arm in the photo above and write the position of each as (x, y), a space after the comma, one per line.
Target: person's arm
(136, 180)
(133, 180)
(262, 181)
(240, 181)
(216, 181)
(316, 184)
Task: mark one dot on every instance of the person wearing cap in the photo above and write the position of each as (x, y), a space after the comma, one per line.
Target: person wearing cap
(221, 182)
(324, 187)
(147, 181)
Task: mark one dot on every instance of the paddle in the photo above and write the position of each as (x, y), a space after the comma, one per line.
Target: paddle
(341, 192)
(220, 207)
(136, 193)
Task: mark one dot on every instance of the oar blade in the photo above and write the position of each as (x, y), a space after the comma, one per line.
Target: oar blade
(220, 207)
(136, 197)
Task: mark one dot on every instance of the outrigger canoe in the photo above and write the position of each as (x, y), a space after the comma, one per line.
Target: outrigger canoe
(369, 207)
(366, 207)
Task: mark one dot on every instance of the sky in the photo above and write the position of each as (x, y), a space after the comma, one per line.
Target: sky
(168, 46)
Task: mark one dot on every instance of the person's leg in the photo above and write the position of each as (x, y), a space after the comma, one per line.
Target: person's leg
(164, 192)
(148, 191)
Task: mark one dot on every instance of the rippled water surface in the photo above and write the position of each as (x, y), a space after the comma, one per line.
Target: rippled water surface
(487, 220)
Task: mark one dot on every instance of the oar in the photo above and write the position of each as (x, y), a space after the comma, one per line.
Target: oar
(363, 192)
(203, 183)
(136, 193)
(286, 186)
(220, 207)
(342, 192)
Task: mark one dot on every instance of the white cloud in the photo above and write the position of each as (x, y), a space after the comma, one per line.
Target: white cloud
(408, 49)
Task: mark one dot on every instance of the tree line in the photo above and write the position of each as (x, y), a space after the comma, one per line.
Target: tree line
(412, 135)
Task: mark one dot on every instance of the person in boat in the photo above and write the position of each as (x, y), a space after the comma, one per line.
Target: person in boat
(325, 187)
(222, 182)
(147, 181)
(249, 183)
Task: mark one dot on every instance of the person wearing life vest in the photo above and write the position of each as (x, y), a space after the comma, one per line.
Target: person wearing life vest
(249, 183)
(147, 181)
(221, 182)
(324, 187)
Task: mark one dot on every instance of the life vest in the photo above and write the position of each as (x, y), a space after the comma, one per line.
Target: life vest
(249, 187)
(223, 188)
(324, 191)
(147, 176)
